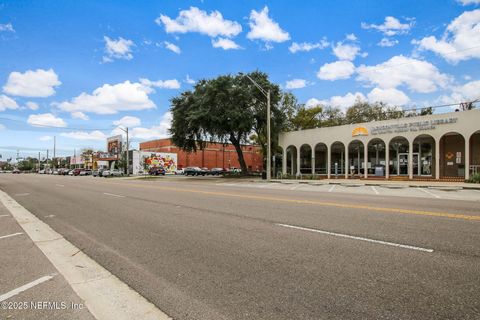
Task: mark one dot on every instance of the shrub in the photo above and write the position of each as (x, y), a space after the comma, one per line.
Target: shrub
(474, 178)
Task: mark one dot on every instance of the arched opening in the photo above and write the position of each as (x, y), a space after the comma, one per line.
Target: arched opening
(291, 160)
(356, 158)
(452, 155)
(398, 150)
(321, 158)
(424, 155)
(337, 158)
(376, 157)
(475, 153)
(306, 159)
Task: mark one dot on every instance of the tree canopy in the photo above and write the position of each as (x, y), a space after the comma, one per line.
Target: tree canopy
(227, 109)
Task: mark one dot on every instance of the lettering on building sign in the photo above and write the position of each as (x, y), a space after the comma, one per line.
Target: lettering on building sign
(411, 126)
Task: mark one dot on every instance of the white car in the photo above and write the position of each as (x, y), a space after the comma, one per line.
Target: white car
(179, 171)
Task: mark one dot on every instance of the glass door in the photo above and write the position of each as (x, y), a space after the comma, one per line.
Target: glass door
(416, 167)
(403, 163)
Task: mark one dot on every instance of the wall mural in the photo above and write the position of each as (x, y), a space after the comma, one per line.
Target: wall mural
(166, 160)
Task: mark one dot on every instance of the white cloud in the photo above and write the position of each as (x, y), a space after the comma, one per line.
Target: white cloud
(456, 44)
(336, 70)
(196, 20)
(351, 37)
(172, 47)
(346, 51)
(46, 119)
(467, 2)
(45, 138)
(8, 27)
(2, 127)
(262, 27)
(296, 84)
(189, 80)
(308, 46)
(392, 26)
(466, 92)
(110, 99)
(7, 103)
(390, 96)
(83, 135)
(79, 115)
(387, 42)
(162, 84)
(117, 49)
(128, 121)
(346, 101)
(38, 83)
(417, 75)
(32, 105)
(155, 132)
(313, 102)
(225, 44)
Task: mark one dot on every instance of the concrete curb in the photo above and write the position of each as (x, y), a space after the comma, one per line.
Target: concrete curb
(105, 296)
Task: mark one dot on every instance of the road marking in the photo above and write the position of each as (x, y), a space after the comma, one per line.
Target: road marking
(295, 187)
(430, 193)
(60, 185)
(331, 188)
(405, 246)
(4, 215)
(21, 194)
(113, 195)
(25, 287)
(306, 202)
(375, 190)
(101, 291)
(11, 235)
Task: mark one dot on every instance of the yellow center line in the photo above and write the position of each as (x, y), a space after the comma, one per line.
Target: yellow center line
(310, 202)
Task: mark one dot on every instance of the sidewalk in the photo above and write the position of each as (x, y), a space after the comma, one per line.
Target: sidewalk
(30, 286)
(405, 184)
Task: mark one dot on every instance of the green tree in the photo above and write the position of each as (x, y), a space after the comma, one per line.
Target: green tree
(363, 111)
(227, 109)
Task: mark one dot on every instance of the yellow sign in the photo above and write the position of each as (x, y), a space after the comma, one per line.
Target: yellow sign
(360, 131)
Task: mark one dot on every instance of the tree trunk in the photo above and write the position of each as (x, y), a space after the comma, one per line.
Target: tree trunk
(238, 148)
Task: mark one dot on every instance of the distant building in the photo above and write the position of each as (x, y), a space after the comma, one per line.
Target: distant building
(215, 155)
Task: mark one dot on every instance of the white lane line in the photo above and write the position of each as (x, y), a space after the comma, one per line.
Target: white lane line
(25, 287)
(113, 195)
(405, 246)
(331, 188)
(4, 215)
(375, 190)
(93, 283)
(11, 235)
(21, 194)
(60, 185)
(295, 187)
(430, 193)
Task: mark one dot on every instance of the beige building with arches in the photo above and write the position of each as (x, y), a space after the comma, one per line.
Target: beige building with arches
(439, 146)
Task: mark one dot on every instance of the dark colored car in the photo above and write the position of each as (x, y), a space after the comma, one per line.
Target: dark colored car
(156, 171)
(77, 171)
(217, 171)
(193, 171)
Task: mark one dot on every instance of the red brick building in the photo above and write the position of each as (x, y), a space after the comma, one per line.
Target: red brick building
(215, 155)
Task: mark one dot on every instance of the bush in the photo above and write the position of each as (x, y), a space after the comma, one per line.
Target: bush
(474, 178)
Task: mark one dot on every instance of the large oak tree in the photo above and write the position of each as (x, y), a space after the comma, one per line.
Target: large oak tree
(227, 109)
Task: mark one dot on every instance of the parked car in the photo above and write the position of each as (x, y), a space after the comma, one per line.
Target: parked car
(85, 172)
(205, 171)
(193, 171)
(75, 172)
(97, 173)
(112, 173)
(15, 171)
(179, 171)
(41, 171)
(156, 171)
(217, 171)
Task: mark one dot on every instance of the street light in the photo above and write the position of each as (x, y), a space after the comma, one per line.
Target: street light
(266, 93)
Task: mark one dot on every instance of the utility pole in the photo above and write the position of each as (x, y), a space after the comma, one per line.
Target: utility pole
(54, 149)
(128, 156)
(47, 163)
(39, 166)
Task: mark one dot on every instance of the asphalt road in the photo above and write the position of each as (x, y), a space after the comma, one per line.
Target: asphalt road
(199, 250)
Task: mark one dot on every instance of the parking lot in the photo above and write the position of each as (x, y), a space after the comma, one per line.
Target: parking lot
(30, 286)
(432, 192)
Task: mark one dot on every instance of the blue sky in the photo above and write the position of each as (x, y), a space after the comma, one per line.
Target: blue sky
(85, 67)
